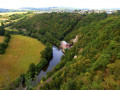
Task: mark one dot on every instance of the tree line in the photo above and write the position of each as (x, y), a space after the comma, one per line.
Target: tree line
(7, 35)
(33, 70)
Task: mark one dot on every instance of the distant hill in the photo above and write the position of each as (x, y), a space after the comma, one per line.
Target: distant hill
(2, 10)
(49, 8)
(37, 9)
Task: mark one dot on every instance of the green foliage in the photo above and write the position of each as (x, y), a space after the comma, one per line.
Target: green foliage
(47, 53)
(16, 16)
(48, 27)
(2, 30)
(32, 70)
(97, 49)
(70, 85)
(40, 65)
(43, 78)
(4, 45)
(98, 54)
(102, 61)
(19, 80)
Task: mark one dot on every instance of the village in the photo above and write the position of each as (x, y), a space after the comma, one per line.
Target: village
(78, 11)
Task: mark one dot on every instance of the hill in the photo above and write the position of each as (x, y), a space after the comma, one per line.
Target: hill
(22, 51)
(48, 27)
(98, 57)
(2, 10)
(53, 27)
(97, 50)
(49, 9)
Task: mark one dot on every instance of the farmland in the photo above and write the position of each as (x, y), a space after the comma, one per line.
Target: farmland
(1, 39)
(10, 13)
(21, 52)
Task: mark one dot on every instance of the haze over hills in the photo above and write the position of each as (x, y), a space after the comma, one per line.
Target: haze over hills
(38, 9)
(2, 10)
(51, 9)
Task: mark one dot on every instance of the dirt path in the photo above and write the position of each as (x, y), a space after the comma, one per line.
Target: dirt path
(48, 80)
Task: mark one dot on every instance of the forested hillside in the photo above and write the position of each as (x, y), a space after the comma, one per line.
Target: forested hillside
(49, 27)
(55, 26)
(97, 65)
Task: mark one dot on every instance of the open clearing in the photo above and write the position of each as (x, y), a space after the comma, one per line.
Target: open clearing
(21, 52)
(1, 39)
(10, 13)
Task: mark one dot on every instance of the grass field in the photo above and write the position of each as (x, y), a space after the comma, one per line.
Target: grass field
(3, 19)
(1, 39)
(10, 13)
(21, 52)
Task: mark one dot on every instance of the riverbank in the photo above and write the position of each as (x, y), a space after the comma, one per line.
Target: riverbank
(57, 54)
(18, 56)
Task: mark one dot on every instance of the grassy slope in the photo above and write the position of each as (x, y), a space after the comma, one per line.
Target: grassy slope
(21, 52)
(1, 39)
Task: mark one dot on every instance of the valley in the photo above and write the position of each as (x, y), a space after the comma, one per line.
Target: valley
(92, 63)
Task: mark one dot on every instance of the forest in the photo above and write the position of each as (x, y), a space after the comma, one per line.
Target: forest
(97, 66)
(48, 27)
(98, 56)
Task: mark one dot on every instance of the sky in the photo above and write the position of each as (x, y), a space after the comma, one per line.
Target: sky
(91, 4)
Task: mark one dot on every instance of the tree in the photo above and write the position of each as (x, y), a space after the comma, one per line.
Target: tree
(32, 69)
(2, 30)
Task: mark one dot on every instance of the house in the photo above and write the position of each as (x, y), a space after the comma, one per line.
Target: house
(65, 45)
(110, 12)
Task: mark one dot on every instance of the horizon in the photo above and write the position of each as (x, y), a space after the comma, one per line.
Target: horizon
(80, 4)
(64, 7)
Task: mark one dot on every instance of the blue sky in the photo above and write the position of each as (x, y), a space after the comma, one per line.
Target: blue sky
(92, 4)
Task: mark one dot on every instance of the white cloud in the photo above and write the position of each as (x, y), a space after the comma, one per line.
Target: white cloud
(65, 3)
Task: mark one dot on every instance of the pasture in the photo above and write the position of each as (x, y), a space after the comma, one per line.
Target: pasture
(21, 52)
(10, 13)
(1, 39)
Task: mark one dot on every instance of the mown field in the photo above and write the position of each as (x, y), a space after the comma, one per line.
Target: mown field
(21, 52)
(1, 39)
(10, 13)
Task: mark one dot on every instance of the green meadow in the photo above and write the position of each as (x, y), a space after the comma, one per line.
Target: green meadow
(21, 52)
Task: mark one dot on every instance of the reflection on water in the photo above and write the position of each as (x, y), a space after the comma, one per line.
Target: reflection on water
(57, 53)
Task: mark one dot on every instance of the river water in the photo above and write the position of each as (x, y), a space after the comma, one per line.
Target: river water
(57, 53)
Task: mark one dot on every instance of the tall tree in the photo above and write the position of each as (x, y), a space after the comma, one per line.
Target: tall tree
(2, 30)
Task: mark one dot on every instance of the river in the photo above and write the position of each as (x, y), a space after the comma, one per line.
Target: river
(57, 53)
